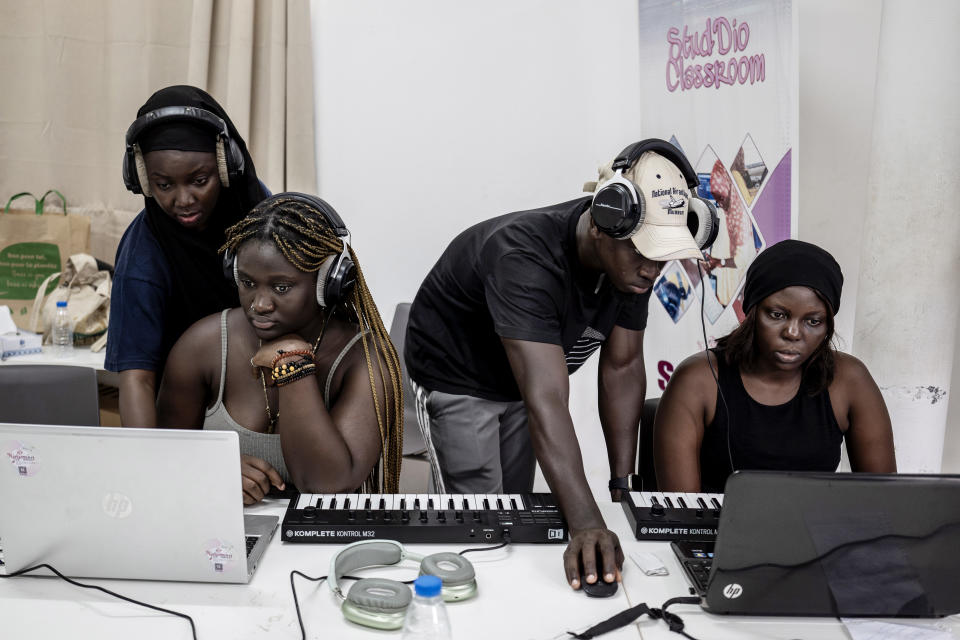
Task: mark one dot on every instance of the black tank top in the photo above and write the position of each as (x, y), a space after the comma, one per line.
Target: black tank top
(799, 435)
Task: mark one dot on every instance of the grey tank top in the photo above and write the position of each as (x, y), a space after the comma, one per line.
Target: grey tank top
(265, 446)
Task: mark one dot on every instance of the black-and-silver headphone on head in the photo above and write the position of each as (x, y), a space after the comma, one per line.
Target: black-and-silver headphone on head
(230, 161)
(382, 603)
(618, 208)
(337, 276)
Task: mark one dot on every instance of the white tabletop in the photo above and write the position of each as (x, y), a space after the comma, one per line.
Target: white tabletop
(522, 594)
(77, 356)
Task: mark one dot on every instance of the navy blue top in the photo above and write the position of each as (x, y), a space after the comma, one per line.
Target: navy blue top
(800, 435)
(142, 287)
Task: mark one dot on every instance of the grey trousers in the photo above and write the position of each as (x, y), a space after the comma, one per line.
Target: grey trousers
(475, 445)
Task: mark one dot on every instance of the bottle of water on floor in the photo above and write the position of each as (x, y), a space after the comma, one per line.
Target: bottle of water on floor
(427, 615)
(62, 330)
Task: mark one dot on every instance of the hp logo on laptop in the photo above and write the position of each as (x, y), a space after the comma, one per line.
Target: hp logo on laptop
(117, 505)
(732, 591)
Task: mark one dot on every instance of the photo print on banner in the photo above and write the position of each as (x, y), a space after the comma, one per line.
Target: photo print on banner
(719, 80)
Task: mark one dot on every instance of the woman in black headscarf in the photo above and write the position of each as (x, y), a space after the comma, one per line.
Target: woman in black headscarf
(197, 177)
(783, 398)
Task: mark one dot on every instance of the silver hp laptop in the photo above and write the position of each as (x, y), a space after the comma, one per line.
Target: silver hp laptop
(106, 502)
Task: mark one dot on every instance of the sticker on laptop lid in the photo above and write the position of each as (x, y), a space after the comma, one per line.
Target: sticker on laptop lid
(221, 554)
(22, 458)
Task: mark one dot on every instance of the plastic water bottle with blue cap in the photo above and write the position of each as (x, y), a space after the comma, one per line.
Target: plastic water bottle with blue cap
(427, 615)
(62, 331)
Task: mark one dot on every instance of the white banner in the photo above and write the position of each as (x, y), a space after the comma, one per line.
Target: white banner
(719, 78)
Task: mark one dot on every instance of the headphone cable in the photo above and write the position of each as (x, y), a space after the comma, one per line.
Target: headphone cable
(193, 628)
(716, 378)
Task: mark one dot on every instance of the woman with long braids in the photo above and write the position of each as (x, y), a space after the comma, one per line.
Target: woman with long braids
(304, 370)
(774, 394)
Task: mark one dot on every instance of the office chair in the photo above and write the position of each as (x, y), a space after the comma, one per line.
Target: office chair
(645, 469)
(413, 444)
(49, 394)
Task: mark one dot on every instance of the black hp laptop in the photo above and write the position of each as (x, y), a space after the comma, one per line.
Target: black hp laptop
(829, 544)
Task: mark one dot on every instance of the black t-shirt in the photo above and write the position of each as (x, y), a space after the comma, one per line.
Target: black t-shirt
(515, 276)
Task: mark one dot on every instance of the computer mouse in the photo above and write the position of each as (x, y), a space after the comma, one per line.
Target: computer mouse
(598, 589)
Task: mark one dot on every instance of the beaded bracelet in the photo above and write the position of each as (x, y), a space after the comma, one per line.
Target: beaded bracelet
(281, 354)
(284, 372)
(302, 372)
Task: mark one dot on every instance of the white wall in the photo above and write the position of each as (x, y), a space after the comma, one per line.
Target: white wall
(434, 115)
(837, 85)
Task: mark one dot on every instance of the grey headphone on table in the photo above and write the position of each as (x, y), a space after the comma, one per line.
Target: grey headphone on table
(382, 603)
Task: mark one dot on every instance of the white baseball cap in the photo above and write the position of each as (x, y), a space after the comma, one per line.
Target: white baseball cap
(663, 235)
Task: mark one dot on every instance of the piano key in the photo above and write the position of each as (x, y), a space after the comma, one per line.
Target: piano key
(516, 502)
(491, 501)
(656, 498)
(640, 498)
(675, 499)
(424, 499)
(717, 496)
(304, 500)
(471, 501)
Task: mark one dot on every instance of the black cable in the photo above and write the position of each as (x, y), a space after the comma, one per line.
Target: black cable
(505, 542)
(627, 616)
(716, 378)
(296, 603)
(193, 628)
(673, 620)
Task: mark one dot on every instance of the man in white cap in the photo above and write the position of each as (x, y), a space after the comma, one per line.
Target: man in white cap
(514, 306)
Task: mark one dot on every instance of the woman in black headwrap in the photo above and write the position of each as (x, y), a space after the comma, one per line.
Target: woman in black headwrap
(197, 177)
(787, 398)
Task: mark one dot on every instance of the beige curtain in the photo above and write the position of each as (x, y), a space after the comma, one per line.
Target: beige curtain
(73, 74)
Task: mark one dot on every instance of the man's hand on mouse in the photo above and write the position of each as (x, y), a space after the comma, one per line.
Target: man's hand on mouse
(587, 546)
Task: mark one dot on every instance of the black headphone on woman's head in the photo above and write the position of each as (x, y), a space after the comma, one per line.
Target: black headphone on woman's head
(618, 208)
(230, 161)
(337, 275)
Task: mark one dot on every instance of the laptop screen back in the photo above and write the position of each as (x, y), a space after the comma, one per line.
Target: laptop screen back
(123, 503)
(837, 544)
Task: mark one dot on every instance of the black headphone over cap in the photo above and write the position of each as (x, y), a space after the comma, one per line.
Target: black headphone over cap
(230, 160)
(337, 275)
(618, 208)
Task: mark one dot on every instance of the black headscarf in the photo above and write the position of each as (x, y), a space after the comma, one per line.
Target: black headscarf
(790, 263)
(199, 285)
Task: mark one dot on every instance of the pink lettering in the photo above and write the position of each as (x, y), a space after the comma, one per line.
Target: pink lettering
(721, 27)
(727, 36)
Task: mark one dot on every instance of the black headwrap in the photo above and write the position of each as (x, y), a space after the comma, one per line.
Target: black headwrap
(791, 263)
(199, 284)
